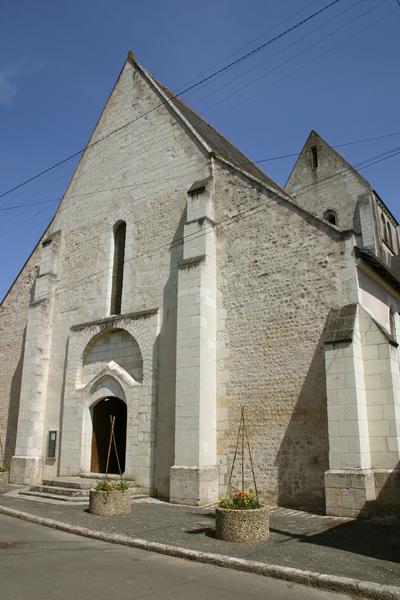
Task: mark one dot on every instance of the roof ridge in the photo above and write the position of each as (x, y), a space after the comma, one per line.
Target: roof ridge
(219, 144)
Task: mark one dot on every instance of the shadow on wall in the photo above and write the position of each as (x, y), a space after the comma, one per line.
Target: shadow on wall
(165, 419)
(387, 488)
(303, 456)
(61, 416)
(13, 410)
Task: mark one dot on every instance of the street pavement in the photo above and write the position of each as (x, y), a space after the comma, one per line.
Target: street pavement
(37, 563)
(361, 549)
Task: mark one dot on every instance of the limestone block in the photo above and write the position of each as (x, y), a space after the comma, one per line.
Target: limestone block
(350, 492)
(196, 486)
(25, 470)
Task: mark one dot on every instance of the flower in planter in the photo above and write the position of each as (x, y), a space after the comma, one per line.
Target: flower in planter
(109, 486)
(241, 501)
(110, 498)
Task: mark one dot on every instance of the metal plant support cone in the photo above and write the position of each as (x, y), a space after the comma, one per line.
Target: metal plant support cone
(242, 440)
(113, 442)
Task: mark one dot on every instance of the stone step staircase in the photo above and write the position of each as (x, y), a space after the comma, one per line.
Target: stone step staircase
(71, 490)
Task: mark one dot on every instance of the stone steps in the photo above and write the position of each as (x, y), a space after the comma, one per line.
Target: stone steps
(72, 483)
(73, 490)
(63, 499)
(60, 490)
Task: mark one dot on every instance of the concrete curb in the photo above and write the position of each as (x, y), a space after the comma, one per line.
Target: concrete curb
(355, 587)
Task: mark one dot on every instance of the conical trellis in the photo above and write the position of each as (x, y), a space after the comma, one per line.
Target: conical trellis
(242, 440)
(112, 441)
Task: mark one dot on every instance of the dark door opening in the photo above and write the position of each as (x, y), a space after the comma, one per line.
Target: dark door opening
(101, 413)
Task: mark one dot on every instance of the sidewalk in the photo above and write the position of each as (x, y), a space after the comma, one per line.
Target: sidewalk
(356, 549)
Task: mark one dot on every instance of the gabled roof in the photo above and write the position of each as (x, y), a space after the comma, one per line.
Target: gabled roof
(213, 140)
(386, 209)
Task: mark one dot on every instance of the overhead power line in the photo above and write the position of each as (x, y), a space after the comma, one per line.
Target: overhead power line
(213, 75)
(258, 37)
(219, 225)
(309, 33)
(304, 50)
(257, 161)
(261, 160)
(303, 66)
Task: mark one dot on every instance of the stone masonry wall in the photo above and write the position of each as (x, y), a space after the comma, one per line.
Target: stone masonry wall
(118, 346)
(279, 273)
(141, 175)
(13, 316)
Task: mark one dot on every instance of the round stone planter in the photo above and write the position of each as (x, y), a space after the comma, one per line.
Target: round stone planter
(242, 525)
(4, 475)
(110, 503)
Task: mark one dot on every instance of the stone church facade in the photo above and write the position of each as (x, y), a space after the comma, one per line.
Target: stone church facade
(176, 284)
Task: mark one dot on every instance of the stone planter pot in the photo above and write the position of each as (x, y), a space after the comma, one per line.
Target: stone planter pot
(242, 525)
(4, 475)
(110, 503)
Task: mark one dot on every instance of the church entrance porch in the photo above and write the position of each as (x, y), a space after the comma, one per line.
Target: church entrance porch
(111, 371)
(102, 413)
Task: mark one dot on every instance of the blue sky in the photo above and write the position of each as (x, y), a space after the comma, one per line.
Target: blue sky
(339, 74)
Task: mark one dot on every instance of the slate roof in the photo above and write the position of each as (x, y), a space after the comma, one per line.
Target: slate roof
(340, 324)
(218, 144)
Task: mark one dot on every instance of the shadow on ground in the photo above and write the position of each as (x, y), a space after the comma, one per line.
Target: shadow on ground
(373, 539)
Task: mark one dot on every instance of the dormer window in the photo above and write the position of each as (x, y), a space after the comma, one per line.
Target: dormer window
(331, 216)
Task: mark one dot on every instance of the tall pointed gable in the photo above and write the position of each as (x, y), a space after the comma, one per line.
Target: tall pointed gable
(213, 141)
(325, 184)
(323, 150)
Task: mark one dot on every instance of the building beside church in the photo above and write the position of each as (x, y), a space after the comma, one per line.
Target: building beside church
(176, 283)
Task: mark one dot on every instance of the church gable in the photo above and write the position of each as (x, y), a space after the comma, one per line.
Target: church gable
(137, 142)
(178, 283)
(324, 183)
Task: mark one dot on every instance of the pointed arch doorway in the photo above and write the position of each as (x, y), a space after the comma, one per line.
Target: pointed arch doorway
(101, 413)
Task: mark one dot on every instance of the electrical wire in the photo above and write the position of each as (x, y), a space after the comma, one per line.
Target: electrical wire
(217, 226)
(213, 75)
(258, 161)
(303, 66)
(264, 160)
(282, 50)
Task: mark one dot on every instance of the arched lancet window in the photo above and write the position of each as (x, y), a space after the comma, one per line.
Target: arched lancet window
(331, 216)
(389, 232)
(314, 157)
(384, 228)
(118, 268)
(392, 324)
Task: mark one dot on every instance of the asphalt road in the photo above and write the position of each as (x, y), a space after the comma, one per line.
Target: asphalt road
(37, 563)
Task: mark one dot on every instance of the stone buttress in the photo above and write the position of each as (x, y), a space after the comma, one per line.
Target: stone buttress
(194, 475)
(27, 463)
(363, 389)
